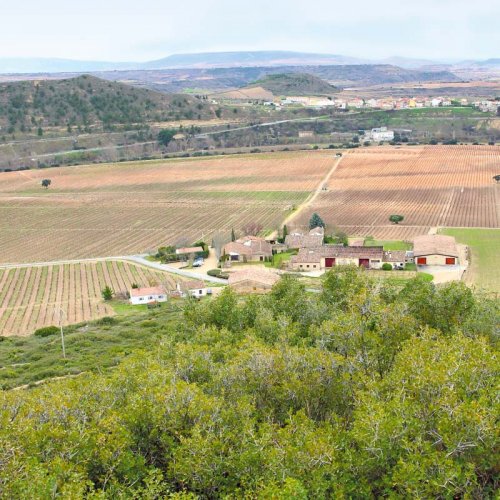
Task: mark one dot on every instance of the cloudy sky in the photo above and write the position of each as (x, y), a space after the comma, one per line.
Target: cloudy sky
(122, 30)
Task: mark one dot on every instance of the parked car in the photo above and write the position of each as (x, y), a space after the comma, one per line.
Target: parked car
(198, 262)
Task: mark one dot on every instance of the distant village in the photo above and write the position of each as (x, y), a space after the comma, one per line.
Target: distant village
(387, 103)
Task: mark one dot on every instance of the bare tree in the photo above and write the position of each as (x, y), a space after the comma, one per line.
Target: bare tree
(218, 242)
(252, 228)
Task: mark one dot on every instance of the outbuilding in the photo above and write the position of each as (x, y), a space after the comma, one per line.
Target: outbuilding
(252, 280)
(435, 250)
(194, 288)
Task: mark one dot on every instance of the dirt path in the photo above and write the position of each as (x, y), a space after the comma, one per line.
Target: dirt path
(311, 198)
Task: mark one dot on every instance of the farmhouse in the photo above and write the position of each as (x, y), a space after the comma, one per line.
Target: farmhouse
(299, 240)
(397, 258)
(435, 250)
(379, 134)
(252, 280)
(147, 295)
(194, 288)
(328, 256)
(248, 249)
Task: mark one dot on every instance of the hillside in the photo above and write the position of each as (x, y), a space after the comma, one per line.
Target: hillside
(86, 101)
(221, 79)
(360, 391)
(295, 84)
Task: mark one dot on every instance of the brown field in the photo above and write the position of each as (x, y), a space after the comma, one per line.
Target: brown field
(129, 208)
(434, 186)
(31, 297)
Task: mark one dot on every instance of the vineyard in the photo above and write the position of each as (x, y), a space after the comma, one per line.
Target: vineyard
(128, 208)
(439, 186)
(33, 297)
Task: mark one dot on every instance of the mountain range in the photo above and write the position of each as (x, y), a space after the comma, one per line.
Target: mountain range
(225, 60)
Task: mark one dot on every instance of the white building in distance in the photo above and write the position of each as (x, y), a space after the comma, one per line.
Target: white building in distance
(379, 134)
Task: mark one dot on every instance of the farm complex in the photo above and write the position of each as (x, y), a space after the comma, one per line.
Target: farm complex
(118, 210)
(34, 297)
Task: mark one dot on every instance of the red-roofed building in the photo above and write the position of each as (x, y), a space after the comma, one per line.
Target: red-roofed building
(147, 295)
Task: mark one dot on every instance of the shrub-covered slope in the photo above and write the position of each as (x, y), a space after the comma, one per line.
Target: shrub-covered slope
(362, 391)
(85, 101)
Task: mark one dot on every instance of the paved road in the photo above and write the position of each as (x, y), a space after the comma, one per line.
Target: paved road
(140, 259)
(87, 150)
(137, 259)
(257, 125)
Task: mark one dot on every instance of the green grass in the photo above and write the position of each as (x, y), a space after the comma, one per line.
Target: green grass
(279, 258)
(484, 245)
(389, 245)
(89, 347)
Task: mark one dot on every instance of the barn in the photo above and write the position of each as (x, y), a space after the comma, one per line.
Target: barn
(435, 250)
(328, 256)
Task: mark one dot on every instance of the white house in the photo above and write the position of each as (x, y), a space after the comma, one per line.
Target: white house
(195, 288)
(379, 134)
(147, 295)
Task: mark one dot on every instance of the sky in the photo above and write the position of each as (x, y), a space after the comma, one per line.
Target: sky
(122, 30)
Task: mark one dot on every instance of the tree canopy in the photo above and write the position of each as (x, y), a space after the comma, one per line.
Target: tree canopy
(316, 221)
(365, 390)
(396, 219)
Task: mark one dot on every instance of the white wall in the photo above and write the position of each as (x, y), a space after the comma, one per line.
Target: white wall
(147, 299)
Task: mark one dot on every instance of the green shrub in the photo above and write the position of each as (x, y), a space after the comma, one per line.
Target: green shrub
(215, 272)
(107, 320)
(386, 266)
(148, 323)
(46, 331)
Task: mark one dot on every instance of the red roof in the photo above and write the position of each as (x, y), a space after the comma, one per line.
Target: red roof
(143, 292)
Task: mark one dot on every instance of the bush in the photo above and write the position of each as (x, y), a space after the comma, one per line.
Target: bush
(107, 320)
(46, 331)
(386, 266)
(214, 272)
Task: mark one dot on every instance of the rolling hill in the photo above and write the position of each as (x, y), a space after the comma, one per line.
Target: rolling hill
(86, 100)
(295, 84)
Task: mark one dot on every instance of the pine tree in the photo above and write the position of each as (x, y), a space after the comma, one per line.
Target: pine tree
(316, 221)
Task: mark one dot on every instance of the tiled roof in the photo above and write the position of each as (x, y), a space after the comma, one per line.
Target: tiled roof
(434, 244)
(143, 292)
(193, 285)
(182, 251)
(317, 231)
(302, 241)
(395, 256)
(314, 255)
(259, 275)
(249, 245)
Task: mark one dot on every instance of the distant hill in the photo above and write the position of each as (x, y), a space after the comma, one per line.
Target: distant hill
(53, 65)
(245, 59)
(85, 101)
(216, 80)
(295, 84)
(203, 60)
